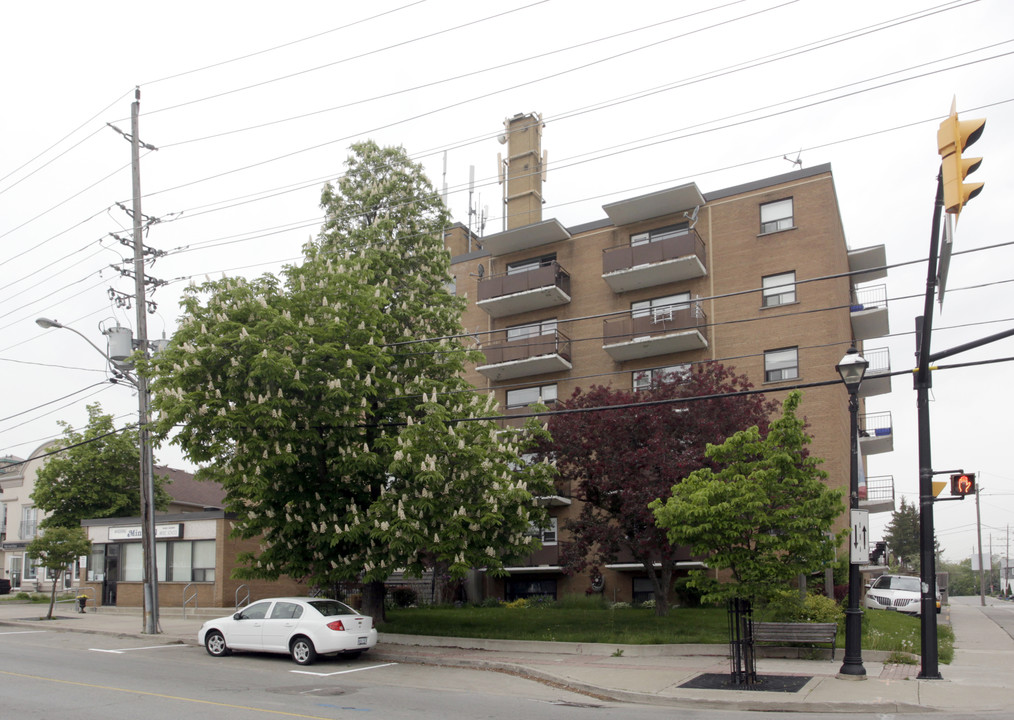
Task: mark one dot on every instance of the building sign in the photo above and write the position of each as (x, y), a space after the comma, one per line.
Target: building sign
(133, 532)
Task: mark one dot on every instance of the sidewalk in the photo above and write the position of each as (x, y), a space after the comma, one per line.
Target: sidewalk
(979, 679)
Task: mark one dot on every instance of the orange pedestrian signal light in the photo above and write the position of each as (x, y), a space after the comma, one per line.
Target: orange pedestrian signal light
(963, 484)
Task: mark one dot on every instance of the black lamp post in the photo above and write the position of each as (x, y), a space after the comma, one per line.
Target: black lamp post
(852, 368)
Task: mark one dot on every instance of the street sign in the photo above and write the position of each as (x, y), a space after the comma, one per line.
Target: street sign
(859, 539)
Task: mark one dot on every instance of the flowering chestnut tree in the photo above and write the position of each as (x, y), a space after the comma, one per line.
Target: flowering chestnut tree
(330, 401)
(618, 461)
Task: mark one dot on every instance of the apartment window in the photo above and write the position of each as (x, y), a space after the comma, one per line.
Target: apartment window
(646, 379)
(523, 397)
(781, 365)
(776, 216)
(529, 330)
(663, 233)
(662, 308)
(522, 266)
(29, 522)
(778, 289)
(546, 534)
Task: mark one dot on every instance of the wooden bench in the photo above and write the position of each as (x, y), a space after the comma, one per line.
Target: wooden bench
(796, 633)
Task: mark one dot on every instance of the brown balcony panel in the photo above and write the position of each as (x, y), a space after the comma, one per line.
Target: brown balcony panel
(544, 287)
(627, 267)
(523, 357)
(647, 336)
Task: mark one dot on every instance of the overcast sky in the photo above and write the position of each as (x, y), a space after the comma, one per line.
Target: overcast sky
(252, 108)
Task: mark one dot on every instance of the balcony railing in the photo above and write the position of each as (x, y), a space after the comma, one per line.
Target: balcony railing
(508, 283)
(522, 357)
(875, 433)
(877, 380)
(629, 267)
(549, 557)
(877, 495)
(869, 312)
(660, 332)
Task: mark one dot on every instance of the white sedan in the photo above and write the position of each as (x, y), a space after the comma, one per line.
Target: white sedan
(302, 627)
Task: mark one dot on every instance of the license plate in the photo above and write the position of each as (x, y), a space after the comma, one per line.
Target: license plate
(361, 641)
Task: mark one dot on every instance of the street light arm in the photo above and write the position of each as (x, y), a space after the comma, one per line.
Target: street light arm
(47, 324)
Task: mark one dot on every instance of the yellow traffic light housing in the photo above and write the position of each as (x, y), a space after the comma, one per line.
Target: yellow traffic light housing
(953, 137)
(963, 484)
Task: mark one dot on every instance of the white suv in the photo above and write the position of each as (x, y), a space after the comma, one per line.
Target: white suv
(902, 593)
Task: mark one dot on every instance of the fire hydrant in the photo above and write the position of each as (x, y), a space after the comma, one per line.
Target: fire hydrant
(82, 600)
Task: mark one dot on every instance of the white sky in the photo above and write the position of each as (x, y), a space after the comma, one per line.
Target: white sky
(869, 105)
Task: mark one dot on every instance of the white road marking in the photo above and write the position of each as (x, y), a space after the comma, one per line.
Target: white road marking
(120, 652)
(341, 672)
(23, 632)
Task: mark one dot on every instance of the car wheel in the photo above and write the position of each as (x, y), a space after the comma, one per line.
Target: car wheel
(303, 651)
(214, 643)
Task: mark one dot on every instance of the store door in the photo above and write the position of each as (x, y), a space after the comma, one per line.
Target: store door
(112, 573)
(16, 572)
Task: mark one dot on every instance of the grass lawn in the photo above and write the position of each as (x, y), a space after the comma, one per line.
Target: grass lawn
(882, 630)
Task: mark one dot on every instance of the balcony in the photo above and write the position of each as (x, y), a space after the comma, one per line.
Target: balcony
(877, 495)
(525, 238)
(547, 559)
(662, 332)
(560, 497)
(875, 433)
(511, 293)
(653, 205)
(877, 380)
(522, 357)
(632, 267)
(869, 263)
(869, 312)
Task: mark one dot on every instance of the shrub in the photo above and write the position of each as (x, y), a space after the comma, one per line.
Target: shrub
(648, 604)
(404, 596)
(785, 606)
(519, 604)
(491, 602)
(619, 605)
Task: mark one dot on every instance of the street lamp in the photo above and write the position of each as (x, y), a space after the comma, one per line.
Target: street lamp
(147, 472)
(852, 368)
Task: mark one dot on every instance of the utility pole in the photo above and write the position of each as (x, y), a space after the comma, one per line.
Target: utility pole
(151, 615)
(978, 531)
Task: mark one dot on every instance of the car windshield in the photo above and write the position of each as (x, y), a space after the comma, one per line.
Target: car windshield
(894, 582)
(330, 608)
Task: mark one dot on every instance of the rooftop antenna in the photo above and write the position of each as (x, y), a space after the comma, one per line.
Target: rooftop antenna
(471, 207)
(798, 162)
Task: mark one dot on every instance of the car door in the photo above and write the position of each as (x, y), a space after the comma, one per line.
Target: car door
(247, 626)
(280, 624)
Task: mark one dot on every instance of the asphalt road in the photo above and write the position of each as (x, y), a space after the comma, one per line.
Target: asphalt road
(45, 674)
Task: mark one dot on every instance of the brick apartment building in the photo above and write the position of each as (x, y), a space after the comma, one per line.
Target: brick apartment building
(755, 276)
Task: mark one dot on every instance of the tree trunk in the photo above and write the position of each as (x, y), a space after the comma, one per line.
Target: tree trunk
(52, 595)
(373, 601)
(661, 582)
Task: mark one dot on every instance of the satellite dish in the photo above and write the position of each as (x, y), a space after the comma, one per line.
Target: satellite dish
(502, 138)
(692, 216)
(481, 270)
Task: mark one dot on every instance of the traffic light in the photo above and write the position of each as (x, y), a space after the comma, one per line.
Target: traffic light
(963, 484)
(953, 137)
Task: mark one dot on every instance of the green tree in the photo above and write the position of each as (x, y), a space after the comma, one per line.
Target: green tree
(329, 402)
(763, 515)
(96, 476)
(902, 536)
(620, 460)
(55, 549)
